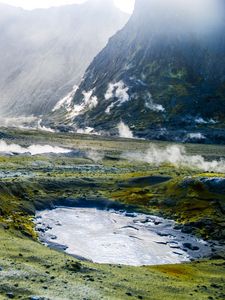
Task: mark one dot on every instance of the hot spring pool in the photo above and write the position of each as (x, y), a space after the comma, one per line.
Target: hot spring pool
(114, 237)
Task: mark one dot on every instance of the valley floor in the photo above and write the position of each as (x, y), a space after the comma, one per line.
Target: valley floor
(99, 170)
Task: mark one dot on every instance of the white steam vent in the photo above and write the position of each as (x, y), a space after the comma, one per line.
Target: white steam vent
(177, 156)
(33, 149)
(124, 131)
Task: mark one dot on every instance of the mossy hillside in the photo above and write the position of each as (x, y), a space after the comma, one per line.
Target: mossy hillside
(185, 200)
(29, 183)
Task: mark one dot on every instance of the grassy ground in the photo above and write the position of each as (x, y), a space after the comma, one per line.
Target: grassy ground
(30, 269)
(98, 172)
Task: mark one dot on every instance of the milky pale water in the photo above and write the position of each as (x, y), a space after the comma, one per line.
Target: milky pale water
(114, 237)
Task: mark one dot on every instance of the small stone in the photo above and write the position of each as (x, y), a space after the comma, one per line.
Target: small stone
(215, 286)
(157, 223)
(186, 229)
(191, 247)
(36, 298)
(178, 227)
(10, 295)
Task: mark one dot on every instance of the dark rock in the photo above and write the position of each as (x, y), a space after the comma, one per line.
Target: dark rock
(10, 295)
(163, 234)
(157, 223)
(178, 227)
(161, 243)
(37, 298)
(41, 229)
(178, 253)
(190, 246)
(131, 215)
(170, 202)
(74, 266)
(56, 246)
(187, 229)
(4, 226)
(215, 286)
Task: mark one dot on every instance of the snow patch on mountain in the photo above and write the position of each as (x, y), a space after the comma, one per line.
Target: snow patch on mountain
(89, 102)
(117, 91)
(196, 136)
(149, 103)
(87, 130)
(44, 128)
(66, 101)
(200, 120)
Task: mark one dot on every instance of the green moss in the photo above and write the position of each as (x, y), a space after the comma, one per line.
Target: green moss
(178, 89)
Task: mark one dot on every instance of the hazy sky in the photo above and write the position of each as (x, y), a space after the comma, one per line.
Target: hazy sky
(125, 5)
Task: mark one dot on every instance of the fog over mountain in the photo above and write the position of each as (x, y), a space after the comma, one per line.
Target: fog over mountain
(164, 71)
(44, 52)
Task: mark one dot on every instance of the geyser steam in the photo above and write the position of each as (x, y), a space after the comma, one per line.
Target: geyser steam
(33, 149)
(177, 156)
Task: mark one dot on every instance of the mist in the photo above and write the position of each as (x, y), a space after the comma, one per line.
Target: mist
(33, 149)
(192, 14)
(177, 156)
(95, 156)
(17, 121)
(45, 52)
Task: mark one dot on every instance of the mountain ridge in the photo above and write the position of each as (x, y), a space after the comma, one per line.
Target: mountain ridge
(164, 77)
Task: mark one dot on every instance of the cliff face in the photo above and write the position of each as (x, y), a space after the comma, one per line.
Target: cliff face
(164, 69)
(45, 52)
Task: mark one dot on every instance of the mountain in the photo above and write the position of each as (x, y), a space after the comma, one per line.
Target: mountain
(45, 52)
(163, 74)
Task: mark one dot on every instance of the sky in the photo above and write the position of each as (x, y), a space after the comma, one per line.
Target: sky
(125, 5)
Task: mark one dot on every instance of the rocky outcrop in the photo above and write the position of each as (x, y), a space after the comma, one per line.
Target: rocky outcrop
(163, 72)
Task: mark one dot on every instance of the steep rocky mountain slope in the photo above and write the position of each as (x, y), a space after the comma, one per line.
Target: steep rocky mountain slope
(163, 74)
(45, 52)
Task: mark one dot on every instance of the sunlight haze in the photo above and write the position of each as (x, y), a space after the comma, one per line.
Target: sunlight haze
(125, 5)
